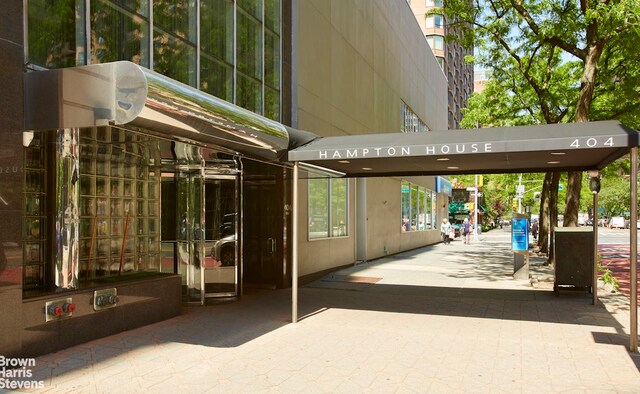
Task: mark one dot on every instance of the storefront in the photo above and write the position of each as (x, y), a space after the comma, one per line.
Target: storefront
(138, 191)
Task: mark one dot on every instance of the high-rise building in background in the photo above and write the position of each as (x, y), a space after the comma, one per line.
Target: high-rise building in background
(450, 56)
(480, 79)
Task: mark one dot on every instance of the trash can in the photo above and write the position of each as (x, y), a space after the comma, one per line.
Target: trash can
(573, 247)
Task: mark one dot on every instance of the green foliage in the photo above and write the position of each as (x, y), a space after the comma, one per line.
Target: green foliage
(554, 62)
(607, 277)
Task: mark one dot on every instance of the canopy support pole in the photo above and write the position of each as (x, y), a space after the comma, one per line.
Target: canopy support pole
(294, 246)
(594, 288)
(633, 252)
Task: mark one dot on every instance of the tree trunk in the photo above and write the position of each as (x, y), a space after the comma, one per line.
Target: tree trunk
(553, 213)
(583, 109)
(543, 238)
(572, 207)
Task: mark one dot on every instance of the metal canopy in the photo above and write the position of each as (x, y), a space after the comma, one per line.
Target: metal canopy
(549, 147)
(123, 93)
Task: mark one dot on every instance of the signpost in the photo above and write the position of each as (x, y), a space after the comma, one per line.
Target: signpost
(520, 245)
(519, 234)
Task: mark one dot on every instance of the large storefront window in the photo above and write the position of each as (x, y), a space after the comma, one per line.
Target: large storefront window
(328, 208)
(104, 183)
(418, 207)
(190, 41)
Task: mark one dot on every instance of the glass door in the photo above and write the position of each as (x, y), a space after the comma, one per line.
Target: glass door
(221, 234)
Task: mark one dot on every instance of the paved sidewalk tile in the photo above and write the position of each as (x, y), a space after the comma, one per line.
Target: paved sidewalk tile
(440, 319)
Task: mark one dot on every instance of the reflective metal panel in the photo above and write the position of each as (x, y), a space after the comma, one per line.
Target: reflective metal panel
(182, 112)
(124, 93)
(67, 221)
(84, 96)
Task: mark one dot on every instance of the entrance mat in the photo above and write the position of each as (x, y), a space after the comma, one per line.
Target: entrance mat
(351, 279)
(344, 282)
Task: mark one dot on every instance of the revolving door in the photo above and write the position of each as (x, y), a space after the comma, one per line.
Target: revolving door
(207, 231)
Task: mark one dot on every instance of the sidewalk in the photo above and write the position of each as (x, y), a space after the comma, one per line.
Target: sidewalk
(444, 318)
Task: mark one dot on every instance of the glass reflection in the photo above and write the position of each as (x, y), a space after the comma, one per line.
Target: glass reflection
(216, 78)
(177, 17)
(54, 41)
(118, 35)
(272, 15)
(249, 94)
(122, 30)
(253, 7)
(174, 58)
(216, 27)
(249, 46)
(272, 60)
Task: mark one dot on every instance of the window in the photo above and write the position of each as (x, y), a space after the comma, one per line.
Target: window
(230, 49)
(418, 207)
(434, 21)
(411, 123)
(436, 42)
(111, 190)
(433, 3)
(328, 208)
(54, 40)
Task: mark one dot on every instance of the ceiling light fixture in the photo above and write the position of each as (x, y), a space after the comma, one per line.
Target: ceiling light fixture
(553, 162)
(344, 161)
(453, 168)
(367, 168)
(442, 159)
(558, 153)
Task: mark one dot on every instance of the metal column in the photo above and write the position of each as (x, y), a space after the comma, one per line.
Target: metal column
(633, 252)
(294, 246)
(595, 248)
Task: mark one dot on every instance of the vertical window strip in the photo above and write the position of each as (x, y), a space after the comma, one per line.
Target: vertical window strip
(418, 207)
(411, 122)
(328, 209)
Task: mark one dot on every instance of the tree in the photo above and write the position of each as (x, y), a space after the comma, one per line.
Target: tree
(554, 61)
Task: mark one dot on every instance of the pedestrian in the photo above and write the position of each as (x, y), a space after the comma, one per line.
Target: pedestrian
(534, 229)
(466, 231)
(445, 228)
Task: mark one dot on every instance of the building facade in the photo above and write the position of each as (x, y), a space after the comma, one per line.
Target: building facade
(144, 143)
(450, 55)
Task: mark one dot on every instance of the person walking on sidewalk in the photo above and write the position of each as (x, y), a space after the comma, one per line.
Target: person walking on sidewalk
(466, 231)
(445, 228)
(534, 229)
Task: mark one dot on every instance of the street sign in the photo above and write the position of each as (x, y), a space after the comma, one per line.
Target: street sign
(471, 189)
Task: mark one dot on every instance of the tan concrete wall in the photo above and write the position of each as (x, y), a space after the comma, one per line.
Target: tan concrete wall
(357, 61)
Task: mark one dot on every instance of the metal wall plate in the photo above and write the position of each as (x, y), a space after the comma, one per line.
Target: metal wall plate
(105, 298)
(59, 309)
